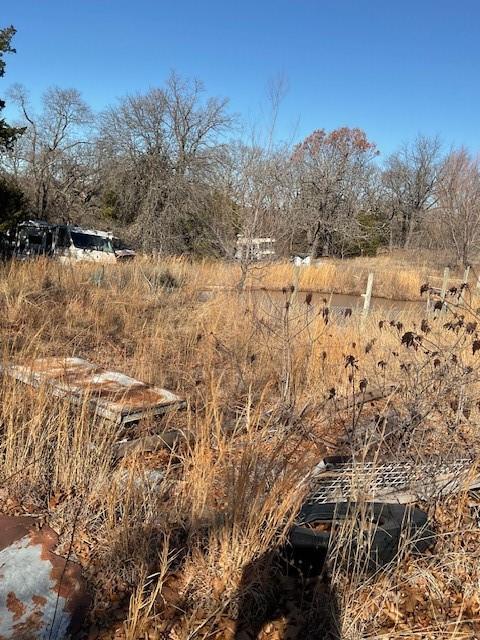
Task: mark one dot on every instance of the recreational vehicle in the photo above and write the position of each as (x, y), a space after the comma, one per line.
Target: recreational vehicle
(67, 243)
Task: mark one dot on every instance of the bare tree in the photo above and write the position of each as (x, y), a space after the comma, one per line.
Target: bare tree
(410, 179)
(332, 171)
(255, 185)
(458, 208)
(158, 152)
(50, 158)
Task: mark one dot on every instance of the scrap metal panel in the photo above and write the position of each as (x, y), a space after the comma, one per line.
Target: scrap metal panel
(402, 482)
(112, 395)
(42, 595)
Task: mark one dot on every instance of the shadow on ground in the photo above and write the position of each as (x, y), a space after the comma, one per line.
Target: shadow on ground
(275, 596)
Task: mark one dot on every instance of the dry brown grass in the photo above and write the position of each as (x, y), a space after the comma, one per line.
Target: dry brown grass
(168, 560)
(396, 276)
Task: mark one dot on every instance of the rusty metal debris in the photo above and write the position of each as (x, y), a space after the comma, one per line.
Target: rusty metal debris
(111, 395)
(42, 595)
(147, 444)
(394, 482)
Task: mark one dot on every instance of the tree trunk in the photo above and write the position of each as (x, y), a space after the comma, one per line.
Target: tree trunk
(321, 243)
(410, 230)
(390, 239)
(316, 243)
(326, 246)
(465, 255)
(316, 246)
(403, 228)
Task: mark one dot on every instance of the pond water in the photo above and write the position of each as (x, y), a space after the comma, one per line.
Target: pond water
(338, 303)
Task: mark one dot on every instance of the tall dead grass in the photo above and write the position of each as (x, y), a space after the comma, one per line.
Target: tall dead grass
(169, 557)
(393, 279)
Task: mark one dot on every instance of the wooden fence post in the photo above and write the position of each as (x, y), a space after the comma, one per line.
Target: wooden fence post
(367, 296)
(296, 282)
(466, 273)
(443, 292)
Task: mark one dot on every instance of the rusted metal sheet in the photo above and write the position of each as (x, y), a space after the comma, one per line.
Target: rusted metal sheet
(42, 595)
(112, 395)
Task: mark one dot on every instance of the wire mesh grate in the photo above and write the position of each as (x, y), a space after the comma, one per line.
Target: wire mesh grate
(395, 481)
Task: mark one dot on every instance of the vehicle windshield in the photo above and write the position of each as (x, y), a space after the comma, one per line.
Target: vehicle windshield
(91, 242)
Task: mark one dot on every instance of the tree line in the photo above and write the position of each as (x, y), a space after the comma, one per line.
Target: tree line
(169, 169)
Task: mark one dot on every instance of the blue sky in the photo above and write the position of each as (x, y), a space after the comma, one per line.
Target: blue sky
(391, 67)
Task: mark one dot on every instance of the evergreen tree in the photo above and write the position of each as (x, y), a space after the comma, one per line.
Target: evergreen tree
(8, 134)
